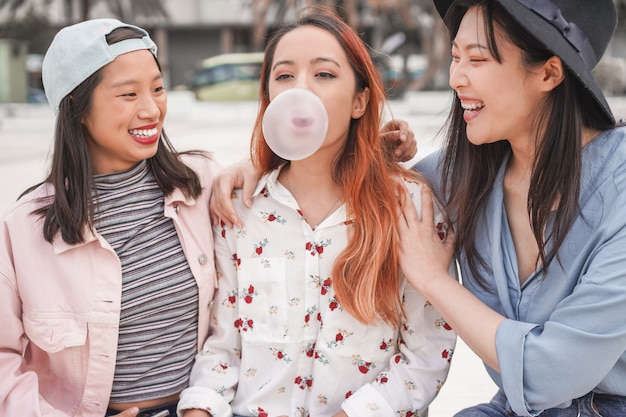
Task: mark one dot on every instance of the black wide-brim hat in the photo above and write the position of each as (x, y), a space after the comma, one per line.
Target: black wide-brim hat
(577, 31)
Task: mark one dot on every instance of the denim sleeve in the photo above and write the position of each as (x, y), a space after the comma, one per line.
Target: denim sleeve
(581, 347)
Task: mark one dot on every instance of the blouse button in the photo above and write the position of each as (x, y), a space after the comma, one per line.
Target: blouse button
(203, 259)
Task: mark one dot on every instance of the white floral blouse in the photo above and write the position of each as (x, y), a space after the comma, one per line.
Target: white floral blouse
(280, 342)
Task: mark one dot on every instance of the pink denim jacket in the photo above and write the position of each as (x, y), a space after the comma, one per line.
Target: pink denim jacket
(61, 305)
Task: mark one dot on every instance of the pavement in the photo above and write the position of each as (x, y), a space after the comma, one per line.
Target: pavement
(224, 129)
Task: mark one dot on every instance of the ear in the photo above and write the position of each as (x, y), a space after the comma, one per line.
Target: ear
(361, 99)
(552, 73)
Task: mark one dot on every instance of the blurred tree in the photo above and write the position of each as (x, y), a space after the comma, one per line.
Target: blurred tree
(125, 10)
(34, 27)
(401, 27)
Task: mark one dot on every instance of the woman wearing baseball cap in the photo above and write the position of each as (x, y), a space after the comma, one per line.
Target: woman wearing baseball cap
(534, 175)
(106, 268)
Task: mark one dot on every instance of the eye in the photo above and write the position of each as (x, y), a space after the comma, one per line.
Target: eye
(159, 89)
(325, 74)
(283, 77)
(128, 95)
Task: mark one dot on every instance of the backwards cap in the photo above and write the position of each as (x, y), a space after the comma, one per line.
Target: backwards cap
(79, 50)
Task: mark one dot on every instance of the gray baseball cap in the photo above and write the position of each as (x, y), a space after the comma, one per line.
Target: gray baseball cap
(79, 50)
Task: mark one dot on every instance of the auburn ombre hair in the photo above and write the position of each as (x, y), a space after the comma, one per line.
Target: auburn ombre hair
(366, 275)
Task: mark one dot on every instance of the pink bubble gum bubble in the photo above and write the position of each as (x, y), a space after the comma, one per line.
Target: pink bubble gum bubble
(295, 124)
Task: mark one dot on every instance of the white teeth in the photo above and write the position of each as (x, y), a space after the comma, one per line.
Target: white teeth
(145, 133)
(472, 106)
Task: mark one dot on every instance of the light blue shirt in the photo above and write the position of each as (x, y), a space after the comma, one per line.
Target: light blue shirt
(566, 331)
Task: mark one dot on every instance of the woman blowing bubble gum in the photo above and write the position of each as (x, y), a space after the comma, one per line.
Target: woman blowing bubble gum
(106, 268)
(312, 316)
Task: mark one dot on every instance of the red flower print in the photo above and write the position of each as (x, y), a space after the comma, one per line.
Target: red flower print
(348, 394)
(338, 337)
(271, 218)
(310, 349)
(258, 248)
(304, 382)
(385, 345)
(232, 299)
(261, 413)
(319, 249)
(248, 294)
(441, 230)
(363, 366)
(236, 259)
(397, 358)
(447, 326)
(244, 324)
(325, 285)
(333, 305)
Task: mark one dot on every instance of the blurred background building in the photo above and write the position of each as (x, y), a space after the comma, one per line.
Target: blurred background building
(410, 44)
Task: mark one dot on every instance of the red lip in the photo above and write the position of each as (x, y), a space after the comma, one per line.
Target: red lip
(146, 127)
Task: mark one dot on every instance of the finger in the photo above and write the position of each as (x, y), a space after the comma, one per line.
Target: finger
(129, 412)
(409, 212)
(249, 184)
(218, 212)
(391, 125)
(428, 211)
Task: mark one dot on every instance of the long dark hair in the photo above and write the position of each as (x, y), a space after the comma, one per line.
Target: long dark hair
(71, 209)
(469, 171)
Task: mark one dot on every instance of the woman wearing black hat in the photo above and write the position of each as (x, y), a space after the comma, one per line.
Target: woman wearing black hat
(534, 175)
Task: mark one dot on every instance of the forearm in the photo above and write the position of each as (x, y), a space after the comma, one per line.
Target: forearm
(473, 321)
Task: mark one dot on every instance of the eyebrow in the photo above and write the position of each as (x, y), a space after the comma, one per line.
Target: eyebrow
(313, 61)
(131, 82)
(475, 45)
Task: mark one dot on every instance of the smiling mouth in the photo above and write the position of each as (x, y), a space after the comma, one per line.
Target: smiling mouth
(144, 133)
(472, 106)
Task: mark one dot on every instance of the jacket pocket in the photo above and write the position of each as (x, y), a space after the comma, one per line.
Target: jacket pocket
(55, 332)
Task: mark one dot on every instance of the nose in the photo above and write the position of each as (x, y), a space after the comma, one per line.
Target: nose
(150, 107)
(458, 75)
(301, 82)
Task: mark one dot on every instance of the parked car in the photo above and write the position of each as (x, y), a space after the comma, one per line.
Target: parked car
(228, 77)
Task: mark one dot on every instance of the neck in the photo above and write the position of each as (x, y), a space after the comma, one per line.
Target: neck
(313, 188)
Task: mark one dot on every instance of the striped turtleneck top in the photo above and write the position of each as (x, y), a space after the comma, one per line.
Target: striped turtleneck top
(159, 312)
